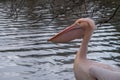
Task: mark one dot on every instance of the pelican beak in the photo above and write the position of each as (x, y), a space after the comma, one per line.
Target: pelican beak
(70, 33)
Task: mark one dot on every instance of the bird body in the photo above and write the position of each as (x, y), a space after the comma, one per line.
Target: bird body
(82, 68)
(82, 28)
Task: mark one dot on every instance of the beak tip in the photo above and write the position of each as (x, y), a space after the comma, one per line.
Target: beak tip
(49, 40)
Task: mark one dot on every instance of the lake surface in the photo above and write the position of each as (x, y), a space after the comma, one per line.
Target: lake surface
(25, 53)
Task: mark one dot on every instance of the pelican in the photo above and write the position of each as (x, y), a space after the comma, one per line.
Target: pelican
(104, 74)
(84, 69)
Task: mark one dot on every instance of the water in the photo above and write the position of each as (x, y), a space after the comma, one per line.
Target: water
(25, 53)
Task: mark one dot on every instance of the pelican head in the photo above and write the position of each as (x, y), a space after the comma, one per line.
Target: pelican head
(76, 31)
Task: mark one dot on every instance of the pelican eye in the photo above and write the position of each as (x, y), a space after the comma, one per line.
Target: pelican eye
(78, 23)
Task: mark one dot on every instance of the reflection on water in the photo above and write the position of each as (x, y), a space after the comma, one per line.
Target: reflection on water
(25, 53)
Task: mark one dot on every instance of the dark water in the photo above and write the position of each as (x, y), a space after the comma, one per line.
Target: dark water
(25, 53)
